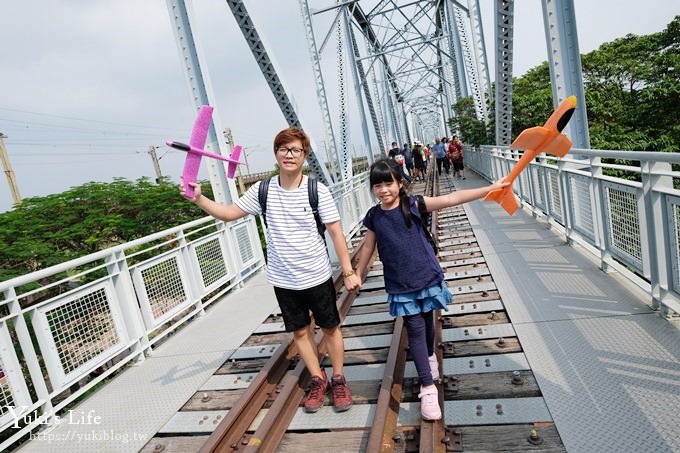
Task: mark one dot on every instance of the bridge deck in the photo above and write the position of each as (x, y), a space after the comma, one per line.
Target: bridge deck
(608, 366)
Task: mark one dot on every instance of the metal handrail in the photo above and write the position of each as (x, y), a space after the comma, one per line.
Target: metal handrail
(66, 328)
(631, 225)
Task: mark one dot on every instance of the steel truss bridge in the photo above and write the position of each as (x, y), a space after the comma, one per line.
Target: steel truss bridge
(606, 360)
(405, 62)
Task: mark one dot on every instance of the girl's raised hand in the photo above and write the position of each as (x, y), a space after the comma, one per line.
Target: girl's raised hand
(500, 184)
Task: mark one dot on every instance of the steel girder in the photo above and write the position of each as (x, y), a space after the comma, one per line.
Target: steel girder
(224, 190)
(419, 44)
(406, 41)
(374, 45)
(343, 156)
(504, 27)
(480, 53)
(318, 77)
(360, 84)
(275, 83)
(469, 59)
(564, 60)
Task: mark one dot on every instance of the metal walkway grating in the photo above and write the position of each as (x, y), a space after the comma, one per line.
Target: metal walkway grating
(607, 365)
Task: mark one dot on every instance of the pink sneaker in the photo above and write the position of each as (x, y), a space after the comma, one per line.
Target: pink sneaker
(429, 403)
(434, 366)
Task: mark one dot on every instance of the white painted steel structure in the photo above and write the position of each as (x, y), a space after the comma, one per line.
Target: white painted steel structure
(74, 324)
(65, 329)
(632, 225)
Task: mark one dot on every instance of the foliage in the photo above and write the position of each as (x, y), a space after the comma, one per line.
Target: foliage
(531, 99)
(632, 90)
(632, 95)
(472, 130)
(44, 231)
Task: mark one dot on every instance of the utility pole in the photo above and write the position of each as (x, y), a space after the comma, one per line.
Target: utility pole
(230, 142)
(156, 164)
(11, 180)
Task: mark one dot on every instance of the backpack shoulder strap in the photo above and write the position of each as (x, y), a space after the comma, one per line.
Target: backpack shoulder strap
(422, 209)
(425, 222)
(262, 198)
(313, 195)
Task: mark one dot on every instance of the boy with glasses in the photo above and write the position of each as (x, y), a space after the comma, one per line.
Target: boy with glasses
(297, 261)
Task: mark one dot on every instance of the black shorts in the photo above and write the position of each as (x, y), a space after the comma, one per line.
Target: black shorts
(296, 304)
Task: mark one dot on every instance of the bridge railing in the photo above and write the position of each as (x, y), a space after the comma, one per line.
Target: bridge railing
(65, 329)
(631, 225)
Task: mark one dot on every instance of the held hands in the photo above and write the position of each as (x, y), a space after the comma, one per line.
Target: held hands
(352, 282)
(197, 191)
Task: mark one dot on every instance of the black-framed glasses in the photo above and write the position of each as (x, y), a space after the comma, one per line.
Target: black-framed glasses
(295, 152)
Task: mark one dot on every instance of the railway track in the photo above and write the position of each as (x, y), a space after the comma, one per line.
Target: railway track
(489, 397)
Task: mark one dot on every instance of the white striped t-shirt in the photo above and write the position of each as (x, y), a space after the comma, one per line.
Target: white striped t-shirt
(296, 254)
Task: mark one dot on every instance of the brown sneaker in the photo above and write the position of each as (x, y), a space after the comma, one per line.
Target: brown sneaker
(317, 393)
(342, 397)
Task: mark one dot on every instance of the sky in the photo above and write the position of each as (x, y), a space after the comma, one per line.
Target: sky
(88, 86)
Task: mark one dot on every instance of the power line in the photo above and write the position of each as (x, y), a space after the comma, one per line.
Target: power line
(81, 119)
(35, 125)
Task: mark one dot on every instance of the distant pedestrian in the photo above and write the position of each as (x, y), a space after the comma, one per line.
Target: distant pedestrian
(418, 162)
(408, 158)
(456, 152)
(440, 152)
(394, 151)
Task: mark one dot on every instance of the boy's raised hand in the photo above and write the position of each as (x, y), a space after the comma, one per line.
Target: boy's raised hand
(197, 191)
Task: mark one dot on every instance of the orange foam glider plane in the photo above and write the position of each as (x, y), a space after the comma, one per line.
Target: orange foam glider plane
(536, 140)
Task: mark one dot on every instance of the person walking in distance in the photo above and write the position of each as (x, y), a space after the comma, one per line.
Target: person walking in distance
(456, 153)
(440, 152)
(298, 266)
(414, 280)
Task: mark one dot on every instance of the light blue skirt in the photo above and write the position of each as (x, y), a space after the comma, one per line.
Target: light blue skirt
(435, 297)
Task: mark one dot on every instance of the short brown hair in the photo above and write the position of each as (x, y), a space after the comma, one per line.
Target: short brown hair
(290, 134)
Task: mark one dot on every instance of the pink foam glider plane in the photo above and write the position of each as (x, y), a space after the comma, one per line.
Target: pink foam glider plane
(195, 151)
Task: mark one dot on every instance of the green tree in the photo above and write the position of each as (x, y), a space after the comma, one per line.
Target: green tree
(44, 231)
(632, 88)
(632, 91)
(531, 99)
(472, 130)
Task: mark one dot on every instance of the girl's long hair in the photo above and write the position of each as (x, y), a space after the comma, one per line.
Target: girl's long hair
(386, 170)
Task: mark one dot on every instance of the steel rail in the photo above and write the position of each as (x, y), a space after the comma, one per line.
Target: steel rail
(230, 434)
(432, 433)
(231, 430)
(383, 430)
(273, 427)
